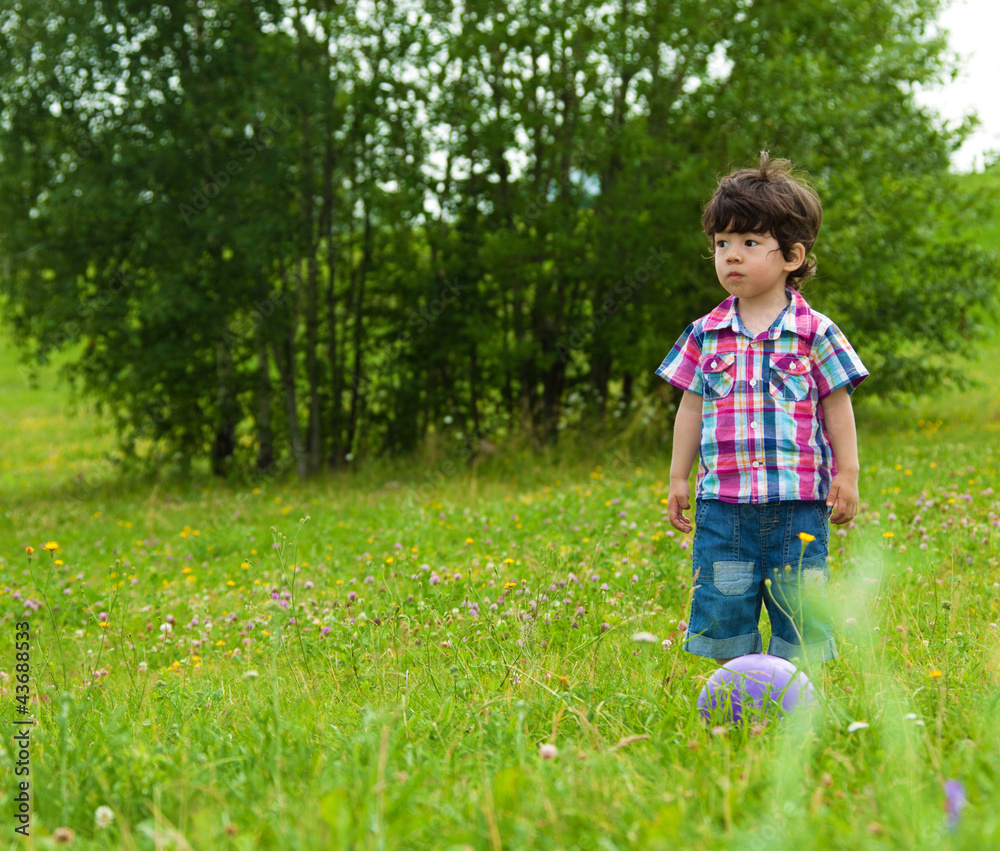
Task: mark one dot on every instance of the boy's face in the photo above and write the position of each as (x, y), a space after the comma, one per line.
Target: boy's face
(751, 266)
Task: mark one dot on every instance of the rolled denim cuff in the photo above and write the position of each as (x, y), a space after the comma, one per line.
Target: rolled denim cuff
(723, 648)
(822, 651)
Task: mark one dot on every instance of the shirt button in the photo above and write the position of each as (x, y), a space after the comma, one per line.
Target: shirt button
(753, 382)
(753, 345)
(756, 464)
(753, 424)
(713, 364)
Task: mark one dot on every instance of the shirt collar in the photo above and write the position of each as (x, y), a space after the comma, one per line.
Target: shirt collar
(795, 317)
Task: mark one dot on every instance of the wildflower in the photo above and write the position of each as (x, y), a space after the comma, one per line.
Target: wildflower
(682, 625)
(30, 551)
(935, 674)
(645, 638)
(854, 726)
(166, 628)
(103, 817)
(888, 535)
(250, 674)
(954, 801)
(548, 751)
(51, 546)
(63, 836)
(806, 538)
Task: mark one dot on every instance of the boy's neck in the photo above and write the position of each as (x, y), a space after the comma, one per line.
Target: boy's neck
(758, 314)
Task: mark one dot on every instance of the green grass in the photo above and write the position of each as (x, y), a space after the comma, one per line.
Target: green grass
(353, 702)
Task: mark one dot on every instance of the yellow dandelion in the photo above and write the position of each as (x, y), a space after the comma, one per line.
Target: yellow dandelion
(51, 546)
(888, 535)
(805, 537)
(230, 583)
(508, 561)
(469, 541)
(29, 550)
(935, 674)
(220, 643)
(508, 585)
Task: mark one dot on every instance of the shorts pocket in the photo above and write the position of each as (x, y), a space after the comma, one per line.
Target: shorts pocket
(732, 578)
(814, 576)
(718, 374)
(789, 377)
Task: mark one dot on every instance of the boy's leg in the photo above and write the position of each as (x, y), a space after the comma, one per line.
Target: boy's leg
(725, 605)
(796, 597)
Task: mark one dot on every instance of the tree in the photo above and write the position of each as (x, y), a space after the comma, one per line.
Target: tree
(298, 232)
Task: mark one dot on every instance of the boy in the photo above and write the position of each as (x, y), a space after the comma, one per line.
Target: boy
(766, 406)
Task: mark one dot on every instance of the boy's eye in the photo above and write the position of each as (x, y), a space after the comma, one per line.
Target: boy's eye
(721, 243)
(750, 243)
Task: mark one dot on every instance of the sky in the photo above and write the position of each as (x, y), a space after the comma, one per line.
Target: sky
(973, 27)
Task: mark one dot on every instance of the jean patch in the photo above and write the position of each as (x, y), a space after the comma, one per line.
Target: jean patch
(733, 578)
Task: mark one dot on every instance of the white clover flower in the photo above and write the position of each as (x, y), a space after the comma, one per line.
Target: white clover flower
(548, 751)
(104, 817)
(645, 638)
(854, 726)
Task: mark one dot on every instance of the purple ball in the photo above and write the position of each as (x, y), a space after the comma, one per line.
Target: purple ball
(756, 685)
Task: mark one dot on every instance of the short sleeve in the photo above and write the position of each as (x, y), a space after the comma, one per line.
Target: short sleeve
(835, 363)
(681, 367)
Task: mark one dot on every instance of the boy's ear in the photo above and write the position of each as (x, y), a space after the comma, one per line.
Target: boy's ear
(797, 253)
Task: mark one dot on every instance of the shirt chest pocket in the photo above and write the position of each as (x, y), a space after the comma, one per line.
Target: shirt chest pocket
(790, 379)
(719, 374)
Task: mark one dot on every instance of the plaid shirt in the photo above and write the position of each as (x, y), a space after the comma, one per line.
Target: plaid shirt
(762, 432)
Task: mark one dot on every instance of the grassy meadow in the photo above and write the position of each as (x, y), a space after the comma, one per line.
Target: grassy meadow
(375, 660)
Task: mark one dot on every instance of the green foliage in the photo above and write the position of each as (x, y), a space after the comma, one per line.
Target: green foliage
(291, 234)
(399, 718)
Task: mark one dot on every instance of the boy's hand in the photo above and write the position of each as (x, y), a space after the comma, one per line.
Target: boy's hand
(677, 503)
(843, 498)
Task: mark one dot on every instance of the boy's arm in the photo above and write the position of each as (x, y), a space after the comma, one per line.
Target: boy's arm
(839, 418)
(687, 439)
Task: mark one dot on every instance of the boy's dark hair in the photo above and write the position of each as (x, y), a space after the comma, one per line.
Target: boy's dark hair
(774, 199)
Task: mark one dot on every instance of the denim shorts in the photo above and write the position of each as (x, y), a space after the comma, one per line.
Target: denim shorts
(737, 547)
